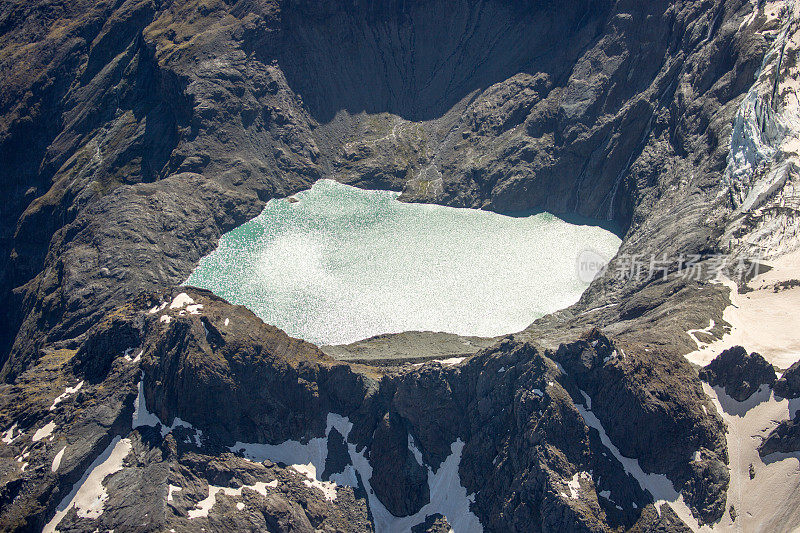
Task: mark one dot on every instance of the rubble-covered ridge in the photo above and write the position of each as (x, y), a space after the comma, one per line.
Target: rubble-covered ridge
(220, 416)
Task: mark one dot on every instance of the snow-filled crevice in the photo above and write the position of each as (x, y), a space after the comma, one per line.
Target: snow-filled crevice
(447, 494)
(658, 485)
(143, 417)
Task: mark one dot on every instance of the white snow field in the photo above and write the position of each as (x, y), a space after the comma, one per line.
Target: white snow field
(343, 264)
(768, 502)
(763, 320)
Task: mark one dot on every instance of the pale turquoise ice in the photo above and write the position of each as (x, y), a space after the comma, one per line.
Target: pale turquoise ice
(343, 264)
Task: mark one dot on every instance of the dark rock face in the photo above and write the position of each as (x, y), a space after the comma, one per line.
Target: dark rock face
(152, 128)
(788, 385)
(739, 373)
(434, 523)
(661, 428)
(397, 478)
(785, 438)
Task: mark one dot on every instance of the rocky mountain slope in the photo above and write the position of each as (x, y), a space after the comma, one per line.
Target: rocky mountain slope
(133, 133)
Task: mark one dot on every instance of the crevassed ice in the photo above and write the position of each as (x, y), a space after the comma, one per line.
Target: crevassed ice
(343, 264)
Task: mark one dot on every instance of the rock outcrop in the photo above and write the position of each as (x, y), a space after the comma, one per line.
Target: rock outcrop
(788, 385)
(149, 129)
(738, 373)
(785, 438)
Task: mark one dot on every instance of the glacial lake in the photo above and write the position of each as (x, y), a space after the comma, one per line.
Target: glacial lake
(342, 264)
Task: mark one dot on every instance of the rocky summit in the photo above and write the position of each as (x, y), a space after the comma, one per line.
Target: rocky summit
(135, 134)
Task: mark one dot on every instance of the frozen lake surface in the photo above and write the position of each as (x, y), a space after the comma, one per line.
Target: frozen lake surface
(343, 264)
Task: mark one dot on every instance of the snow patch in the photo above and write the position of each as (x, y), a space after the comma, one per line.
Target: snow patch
(693, 333)
(658, 485)
(143, 417)
(447, 495)
(181, 300)
(165, 318)
(586, 400)
(44, 431)
(574, 484)
(204, 506)
(8, 435)
(450, 361)
(21, 459)
(608, 358)
(127, 356)
(158, 308)
(89, 495)
(227, 321)
(57, 460)
(63, 396)
(328, 488)
(768, 502)
(414, 450)
(761, 320)
(171, 489)
(194, 309)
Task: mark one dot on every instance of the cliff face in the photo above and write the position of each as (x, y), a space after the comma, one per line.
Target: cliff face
(134, 133)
